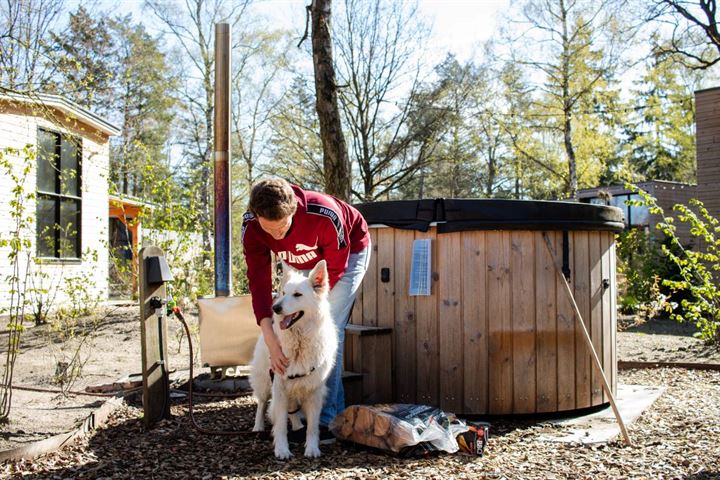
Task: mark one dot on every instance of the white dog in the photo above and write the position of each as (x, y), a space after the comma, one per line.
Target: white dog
(309, 340)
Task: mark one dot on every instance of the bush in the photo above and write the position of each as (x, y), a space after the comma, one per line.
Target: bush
(644, 266)
(696, 269)
(641, 263)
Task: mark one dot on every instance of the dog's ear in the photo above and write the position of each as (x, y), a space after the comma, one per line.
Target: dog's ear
(286, 269)
(319, 277)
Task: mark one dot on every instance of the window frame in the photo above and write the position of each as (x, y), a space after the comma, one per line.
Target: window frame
(58, 196)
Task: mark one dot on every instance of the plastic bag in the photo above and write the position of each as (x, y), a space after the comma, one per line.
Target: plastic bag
(409, 430)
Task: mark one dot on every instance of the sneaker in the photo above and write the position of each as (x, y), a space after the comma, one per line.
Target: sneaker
(297, 437)
(326, 436)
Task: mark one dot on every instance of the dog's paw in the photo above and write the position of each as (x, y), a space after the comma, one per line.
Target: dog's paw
(282, 453)
(312, 451)
(258, 428)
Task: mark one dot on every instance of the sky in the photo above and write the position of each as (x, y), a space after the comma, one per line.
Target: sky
(461, 25)
(458, 26)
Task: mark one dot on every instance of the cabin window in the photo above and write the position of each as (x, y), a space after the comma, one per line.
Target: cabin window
(58, 195)
(635, 216)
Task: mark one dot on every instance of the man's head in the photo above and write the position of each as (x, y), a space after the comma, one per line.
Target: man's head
(273, 202)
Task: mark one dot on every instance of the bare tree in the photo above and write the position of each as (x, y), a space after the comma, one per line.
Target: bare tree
(695, 38)
(25, 25)
(335, 158)
(193, 29)
(257, 69)
(378, 42)
(296, 143)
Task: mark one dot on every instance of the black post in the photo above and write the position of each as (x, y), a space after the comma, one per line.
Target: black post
(153, 337)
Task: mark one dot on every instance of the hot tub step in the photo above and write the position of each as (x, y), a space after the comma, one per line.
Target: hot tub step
(368, 350)
(362, 330)
(352, 384)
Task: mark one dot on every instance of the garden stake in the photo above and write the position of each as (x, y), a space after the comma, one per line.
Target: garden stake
(588, 341)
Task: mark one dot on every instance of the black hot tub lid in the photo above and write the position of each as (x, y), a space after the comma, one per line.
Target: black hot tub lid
(456, 215)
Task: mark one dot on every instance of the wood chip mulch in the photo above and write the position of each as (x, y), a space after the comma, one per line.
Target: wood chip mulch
(678, 437)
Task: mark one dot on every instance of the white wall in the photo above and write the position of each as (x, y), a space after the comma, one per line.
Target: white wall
(18, 128)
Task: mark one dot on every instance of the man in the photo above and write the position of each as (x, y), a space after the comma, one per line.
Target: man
(303, 227)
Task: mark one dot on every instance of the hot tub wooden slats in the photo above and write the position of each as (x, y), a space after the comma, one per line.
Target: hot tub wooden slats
(428, 358)
(596, 293)
(500, 322)
(474, 317)
(370, 289)
(613, 318)
(404, 337)
(385, 290)
(581, 273)
(497, 335)
(450, 326)
(605, 240)
(565, 331)
(522, 274)
(546, 325)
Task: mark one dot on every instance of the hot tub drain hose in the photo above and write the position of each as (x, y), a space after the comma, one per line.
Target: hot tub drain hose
(179, 315)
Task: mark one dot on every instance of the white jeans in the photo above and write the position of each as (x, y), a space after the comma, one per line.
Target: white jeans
(341, 298)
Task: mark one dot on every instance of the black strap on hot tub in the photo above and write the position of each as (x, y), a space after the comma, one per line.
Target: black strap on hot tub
(566, 256)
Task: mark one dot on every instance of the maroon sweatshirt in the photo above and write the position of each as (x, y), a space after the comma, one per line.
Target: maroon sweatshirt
(323, 227)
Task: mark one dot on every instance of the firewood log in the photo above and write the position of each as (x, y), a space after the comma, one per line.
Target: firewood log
(382, 425)
(346, 430)
(364, 420)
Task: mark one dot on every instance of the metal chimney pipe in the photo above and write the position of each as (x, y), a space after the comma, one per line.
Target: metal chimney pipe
(223, 281)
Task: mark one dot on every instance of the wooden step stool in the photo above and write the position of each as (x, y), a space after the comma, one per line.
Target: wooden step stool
(368, 351)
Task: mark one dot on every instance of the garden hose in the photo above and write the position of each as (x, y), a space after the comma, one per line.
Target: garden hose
(179, 315)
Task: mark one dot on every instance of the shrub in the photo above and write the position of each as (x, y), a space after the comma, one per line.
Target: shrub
(641, 262)
(644, 267)
(18, 245)
(697, 269)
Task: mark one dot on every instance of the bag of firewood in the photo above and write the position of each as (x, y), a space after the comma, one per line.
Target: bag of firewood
(409, 430)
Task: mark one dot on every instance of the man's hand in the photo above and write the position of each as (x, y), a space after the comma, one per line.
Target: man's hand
(278, 360)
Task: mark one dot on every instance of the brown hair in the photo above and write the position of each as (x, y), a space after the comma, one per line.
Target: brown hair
(272, 199)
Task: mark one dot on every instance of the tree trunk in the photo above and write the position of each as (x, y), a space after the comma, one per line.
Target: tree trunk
(567, 107)
(572, 162)
(335, 159)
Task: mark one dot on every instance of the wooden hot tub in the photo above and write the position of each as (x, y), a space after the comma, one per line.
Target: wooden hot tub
(497, 334)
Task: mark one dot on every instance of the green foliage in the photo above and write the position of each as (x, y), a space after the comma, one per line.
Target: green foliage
(697, 269)
(83, 56)
(576, 57)
(72, 326)
(18, 245)
(143, 87)
(643, 265)
(661, 137)
(36, 290)
(172, 223)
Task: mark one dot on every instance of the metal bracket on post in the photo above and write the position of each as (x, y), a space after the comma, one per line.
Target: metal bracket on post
(154, 272)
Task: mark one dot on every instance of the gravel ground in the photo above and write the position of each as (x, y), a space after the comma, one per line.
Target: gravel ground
(109, 353)
(662, 340)
(678, 437)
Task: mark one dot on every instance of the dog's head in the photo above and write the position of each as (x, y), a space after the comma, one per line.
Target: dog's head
(300, 295)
